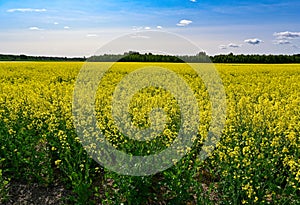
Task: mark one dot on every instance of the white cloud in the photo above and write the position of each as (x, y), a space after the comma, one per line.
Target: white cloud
(222, 47)
(253, 41)
(147, 28)
(135, 28)
(287, 35)
(26, 10)
(55, 23)
(66, 27)
(159, 27)
(137, 35)
(232, 45)
(184, 22)
(34, 28)
(193, 1)
(91, 35)
(282, 42)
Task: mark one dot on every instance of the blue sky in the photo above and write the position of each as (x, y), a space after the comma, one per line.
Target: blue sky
(77, 28)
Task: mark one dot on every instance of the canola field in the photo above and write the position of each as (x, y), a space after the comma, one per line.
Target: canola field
(256, 160)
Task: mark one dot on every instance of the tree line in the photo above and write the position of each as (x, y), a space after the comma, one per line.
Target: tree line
(133, 56)
(4, 57)
(263, 59)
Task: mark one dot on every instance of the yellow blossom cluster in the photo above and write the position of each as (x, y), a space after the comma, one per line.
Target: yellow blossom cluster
(257, 159)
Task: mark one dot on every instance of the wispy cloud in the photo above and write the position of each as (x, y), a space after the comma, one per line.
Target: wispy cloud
(287, 35)
(184, 22)
(66, 27)
(223, 47)
(147, 28)
(55, 23)
(250, 7)
(135, 28)
(230, 45)
(286, 38)
(193, 1)
(34, 28)
(159, 27)
(91, 35)
(253, 41)
(26, 10)
(138, 35)
(282, 42)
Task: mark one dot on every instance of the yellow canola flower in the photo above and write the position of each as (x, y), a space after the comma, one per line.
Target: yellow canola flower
(57, 162)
